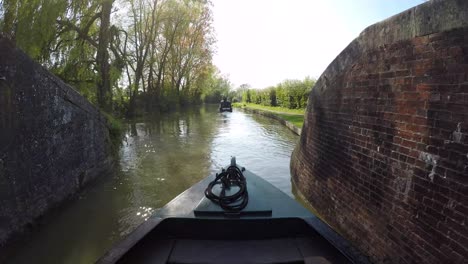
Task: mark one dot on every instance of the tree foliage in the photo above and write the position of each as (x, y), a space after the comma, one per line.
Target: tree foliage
(290, 94)
(132, 54)
(217, 87)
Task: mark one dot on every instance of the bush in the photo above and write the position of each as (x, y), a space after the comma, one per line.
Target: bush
(116, 130)
(292, 94)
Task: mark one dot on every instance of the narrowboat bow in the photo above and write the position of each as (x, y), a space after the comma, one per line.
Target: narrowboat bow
(269, 228)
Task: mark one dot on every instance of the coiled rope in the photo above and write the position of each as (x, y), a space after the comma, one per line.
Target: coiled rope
(228, 178)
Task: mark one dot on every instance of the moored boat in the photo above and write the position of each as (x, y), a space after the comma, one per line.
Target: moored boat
(263, 226)
(225, 106)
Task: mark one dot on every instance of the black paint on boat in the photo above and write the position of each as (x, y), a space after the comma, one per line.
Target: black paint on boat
(225, 106)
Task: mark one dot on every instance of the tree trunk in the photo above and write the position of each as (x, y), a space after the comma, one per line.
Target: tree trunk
(149, 106)
(104, 91)
(133, 97)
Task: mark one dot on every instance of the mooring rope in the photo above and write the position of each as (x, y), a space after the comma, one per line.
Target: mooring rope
(228, 178)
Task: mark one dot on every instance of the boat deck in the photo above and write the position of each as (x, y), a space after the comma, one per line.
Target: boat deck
(273, 228)
(287, 240)
(261, 194)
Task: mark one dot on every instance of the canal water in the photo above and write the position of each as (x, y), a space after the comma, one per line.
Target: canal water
(159, 158)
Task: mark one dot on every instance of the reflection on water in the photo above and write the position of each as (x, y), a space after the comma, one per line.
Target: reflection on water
(260, 144)
(159, 158)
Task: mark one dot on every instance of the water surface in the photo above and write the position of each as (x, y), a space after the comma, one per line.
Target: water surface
(160, 157)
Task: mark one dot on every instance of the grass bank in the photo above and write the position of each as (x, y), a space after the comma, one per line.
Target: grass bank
(295, 116)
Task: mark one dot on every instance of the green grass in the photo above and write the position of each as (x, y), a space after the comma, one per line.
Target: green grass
(297, 120)
(276, 109)
(295, 116)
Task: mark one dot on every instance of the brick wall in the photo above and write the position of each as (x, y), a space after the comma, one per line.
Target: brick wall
(52, 141)
(383, 155)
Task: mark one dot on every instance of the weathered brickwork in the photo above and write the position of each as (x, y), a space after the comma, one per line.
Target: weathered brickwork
(52, 141)
(383, 155)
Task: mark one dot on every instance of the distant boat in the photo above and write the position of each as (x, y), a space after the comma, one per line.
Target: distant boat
(270, 228)
(225, 106)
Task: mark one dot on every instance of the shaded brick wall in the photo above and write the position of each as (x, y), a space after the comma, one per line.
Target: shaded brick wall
(383, 155)
(52, 141)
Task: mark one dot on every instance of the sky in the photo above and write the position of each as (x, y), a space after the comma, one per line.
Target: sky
(264, 42)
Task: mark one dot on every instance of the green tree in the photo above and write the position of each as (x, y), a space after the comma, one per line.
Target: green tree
(290, 94)
(165, 47)
(65, 34)
(218, 87)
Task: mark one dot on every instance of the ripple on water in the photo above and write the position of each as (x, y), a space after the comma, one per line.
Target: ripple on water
(159, 159)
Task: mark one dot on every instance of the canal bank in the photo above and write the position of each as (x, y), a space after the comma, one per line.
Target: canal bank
(280, 116)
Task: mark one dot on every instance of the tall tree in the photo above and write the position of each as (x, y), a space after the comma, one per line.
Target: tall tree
(53, 31)
(142, 34)
(165, 46)
(83, 23)
(104, 91)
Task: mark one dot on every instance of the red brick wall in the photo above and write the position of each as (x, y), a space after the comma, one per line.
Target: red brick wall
(383, 155)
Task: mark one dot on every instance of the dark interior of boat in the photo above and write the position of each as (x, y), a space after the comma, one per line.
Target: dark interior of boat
(189, 240)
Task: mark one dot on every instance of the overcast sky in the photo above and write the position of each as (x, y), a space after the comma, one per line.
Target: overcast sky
(263, 42)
